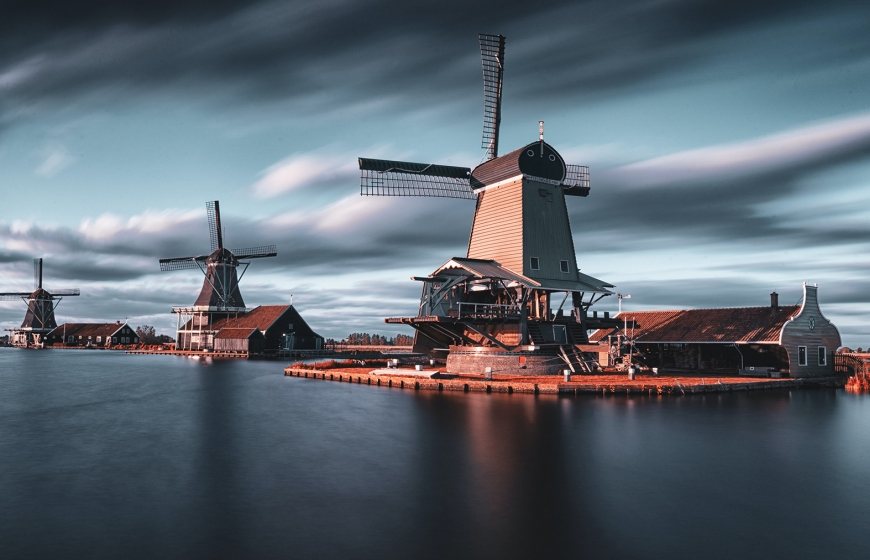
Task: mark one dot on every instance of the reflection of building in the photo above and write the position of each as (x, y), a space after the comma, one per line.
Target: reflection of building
(795, 339)
(94, 335)
(264, 329)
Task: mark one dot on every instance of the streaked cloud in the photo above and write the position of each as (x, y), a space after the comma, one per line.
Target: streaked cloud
(810, 146)
(55, 158)
(306, 170)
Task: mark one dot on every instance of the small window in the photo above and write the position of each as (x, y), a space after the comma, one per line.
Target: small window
(563, 266)
(534, 263)
(99, 339)
(823, 356)
(802, 355)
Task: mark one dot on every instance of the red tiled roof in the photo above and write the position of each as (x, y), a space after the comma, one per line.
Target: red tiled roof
(236, 333)
(725, 325)
(260, 318)
(85, 330)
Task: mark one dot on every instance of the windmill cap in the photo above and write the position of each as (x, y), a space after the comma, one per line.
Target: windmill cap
(538, 159)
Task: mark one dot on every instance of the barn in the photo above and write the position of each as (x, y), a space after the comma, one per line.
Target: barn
(773, 340)
(280, 327)
(240, 340)
(93, 335)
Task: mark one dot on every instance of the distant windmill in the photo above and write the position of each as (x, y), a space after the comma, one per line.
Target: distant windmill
(39, 318)
(520, 250)
(220, 295)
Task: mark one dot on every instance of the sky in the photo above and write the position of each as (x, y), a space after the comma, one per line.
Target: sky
(729, 147)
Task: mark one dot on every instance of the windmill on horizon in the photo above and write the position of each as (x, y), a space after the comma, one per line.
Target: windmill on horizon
(493, 307)
(219, 298)
(39, 319)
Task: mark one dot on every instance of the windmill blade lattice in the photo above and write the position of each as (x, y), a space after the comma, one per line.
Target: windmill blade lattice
(181, 263)
(492, 58)
(215, 232)
(402, 178)
(13, 296)
(66, 292)
(260, 252)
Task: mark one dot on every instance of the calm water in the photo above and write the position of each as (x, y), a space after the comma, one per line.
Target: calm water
(104, 455)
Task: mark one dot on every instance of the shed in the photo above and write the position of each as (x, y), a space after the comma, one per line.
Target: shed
(797, 340)
(102, 335)
(241, 340)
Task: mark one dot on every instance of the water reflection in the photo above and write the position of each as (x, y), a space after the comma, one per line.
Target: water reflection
(163, 458)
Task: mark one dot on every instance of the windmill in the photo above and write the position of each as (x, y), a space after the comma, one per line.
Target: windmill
(39, 318)
(497, 299)
(219, 297)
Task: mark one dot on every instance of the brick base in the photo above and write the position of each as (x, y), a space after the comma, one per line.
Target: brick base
(468, 359)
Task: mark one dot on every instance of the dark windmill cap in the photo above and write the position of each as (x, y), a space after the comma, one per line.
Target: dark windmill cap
(537, 159)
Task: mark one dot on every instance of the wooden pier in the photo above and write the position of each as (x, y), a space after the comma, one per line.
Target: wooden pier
(553, 385)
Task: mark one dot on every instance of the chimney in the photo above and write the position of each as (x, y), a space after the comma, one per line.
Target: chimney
(774, 300)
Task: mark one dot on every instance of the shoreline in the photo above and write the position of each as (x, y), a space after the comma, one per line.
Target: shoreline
(554, 385)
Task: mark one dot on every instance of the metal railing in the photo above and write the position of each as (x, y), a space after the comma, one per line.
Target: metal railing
(487, 311)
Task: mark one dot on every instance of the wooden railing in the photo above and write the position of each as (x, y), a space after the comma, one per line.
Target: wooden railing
(487, 311)
(850, 364)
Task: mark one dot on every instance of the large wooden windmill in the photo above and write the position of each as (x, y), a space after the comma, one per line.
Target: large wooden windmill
(39, 318)
(495, 307)
(219, 297)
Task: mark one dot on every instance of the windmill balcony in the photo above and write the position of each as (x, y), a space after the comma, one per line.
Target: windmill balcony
(488, 311)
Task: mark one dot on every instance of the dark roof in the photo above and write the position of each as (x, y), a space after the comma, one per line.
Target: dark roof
(261, 318)
(238, 333)
(527, 160)
(85, 330)
(724, 325)
(264, 317)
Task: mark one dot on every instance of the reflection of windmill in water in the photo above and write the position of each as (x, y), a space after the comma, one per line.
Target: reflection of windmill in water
(219, 297)
(39, 318)
(495, 306)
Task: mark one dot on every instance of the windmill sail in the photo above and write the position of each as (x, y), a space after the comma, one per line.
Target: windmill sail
(492, 58)
(181, 263)
(576, 181)
(380, 177)
(215, 232)
(260, 252)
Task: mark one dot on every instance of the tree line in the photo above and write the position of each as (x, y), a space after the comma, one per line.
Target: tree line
(368, 339)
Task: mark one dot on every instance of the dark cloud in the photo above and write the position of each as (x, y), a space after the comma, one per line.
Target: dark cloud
(332, 52)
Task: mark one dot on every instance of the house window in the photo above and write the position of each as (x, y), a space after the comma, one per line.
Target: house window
(534, 263)
(823, 356)
(99, 339)
(563, 266)
(115, 339)
(802, 355)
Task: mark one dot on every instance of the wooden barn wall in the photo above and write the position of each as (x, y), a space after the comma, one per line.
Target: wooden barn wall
(798, 333)
(547, 232)
(231, 344)
(497, 231)
(304, 337)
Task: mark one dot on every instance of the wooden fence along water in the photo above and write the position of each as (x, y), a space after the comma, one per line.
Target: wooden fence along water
(856, 368)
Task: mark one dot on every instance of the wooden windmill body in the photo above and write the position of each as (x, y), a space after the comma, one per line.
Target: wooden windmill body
(39, 319)
(517, 300)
